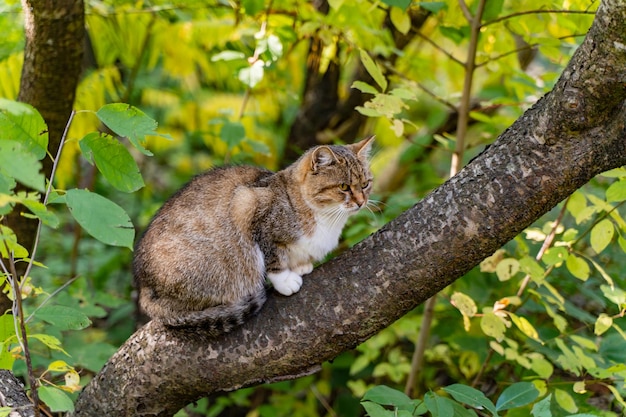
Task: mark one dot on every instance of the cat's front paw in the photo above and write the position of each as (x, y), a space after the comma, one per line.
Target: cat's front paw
(285, 282)
(303, 269)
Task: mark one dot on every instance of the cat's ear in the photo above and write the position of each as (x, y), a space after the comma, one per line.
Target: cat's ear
(362, 149)
(322, 156)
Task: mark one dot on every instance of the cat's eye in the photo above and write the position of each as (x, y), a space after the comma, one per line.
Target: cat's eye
(344, 187)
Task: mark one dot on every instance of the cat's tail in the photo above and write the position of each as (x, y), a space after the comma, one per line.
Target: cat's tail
(222, 318)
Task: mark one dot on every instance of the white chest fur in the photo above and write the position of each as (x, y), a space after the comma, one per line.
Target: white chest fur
(314, 247)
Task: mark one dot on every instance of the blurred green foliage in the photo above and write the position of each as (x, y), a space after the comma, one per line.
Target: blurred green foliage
(225, 81)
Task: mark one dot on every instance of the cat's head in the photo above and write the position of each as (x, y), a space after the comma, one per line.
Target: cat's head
(337, 177)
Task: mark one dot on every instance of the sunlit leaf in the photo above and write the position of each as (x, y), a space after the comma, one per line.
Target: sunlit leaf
(253, 74)
(364, 87)
(507, 268)
(50, 341)
(524, 325)
(565, 401)
(601, 235)
(616, 192)
(373, 69)
(101, 218)
(400, 19)
(21, 123)
(492, 325)
(578, 267)
(603, 323)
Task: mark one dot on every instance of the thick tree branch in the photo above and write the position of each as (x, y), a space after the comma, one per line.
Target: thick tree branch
(345, 301)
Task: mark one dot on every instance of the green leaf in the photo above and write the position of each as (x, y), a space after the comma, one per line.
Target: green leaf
(7, 330)
(41, 211)
(507, 268)
(9, 240)
(492, 325)
(614, 294)
(373, 69)
(578, 267)
(385, 395)
(524, 325)
(603, 323)
(50, 341)
(402, 4)
(364, 87)
(65, 318)
(376, 410)
(453, 33)
(130, 122)
(101, 218)
(517, 395)
(464, 303)
(21, 164)
(232, 133)
(601, 235)
(565, 401)
(6, 411)
(616, 192)
(400, 19)
(437, 405)
(55, 399)
(471, 396)
(113, 161)
(434, 6)
(20, 122)
(542, 408)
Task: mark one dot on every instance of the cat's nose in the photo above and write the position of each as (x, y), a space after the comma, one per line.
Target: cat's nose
(360, 201)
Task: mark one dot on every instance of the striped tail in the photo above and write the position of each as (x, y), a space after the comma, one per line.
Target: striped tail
(220, 319)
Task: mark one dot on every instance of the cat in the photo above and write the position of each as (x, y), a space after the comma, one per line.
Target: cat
(205, 256)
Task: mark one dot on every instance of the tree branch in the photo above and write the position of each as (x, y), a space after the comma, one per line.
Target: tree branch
(532, 166)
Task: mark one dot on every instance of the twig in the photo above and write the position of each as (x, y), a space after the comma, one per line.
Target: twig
(545, 246)
(455, 167)
(551, 11)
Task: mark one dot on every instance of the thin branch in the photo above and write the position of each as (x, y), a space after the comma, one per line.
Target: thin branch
(549, 11)
(524, 48)
(545, 246)
(439, 48)
(465, 10)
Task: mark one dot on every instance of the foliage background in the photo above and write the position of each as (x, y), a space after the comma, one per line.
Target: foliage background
(226, 79)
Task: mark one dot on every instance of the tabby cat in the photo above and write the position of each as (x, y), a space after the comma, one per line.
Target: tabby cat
(204, 258)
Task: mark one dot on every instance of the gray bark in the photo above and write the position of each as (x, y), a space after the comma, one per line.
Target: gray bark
(569, 136)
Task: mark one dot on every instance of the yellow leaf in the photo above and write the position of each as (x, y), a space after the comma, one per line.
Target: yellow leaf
(72, 382)
(59, 366)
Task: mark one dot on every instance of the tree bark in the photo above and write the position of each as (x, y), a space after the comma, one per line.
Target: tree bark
(565, 139)
(54, 32)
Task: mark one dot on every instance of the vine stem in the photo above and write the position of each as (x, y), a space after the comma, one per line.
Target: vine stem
(455, 166)
(17, 285)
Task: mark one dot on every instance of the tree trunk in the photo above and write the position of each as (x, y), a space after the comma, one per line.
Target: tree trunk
(569, 136)
(54, 32)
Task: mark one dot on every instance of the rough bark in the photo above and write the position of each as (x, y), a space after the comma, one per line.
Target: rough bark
(54, 33)
(569, 136)
(12, 395)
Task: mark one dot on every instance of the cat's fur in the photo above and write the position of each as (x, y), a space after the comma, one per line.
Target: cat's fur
(204, 258)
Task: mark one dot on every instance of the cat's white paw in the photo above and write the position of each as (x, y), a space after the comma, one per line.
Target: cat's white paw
(285, 282)
(303, 269)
